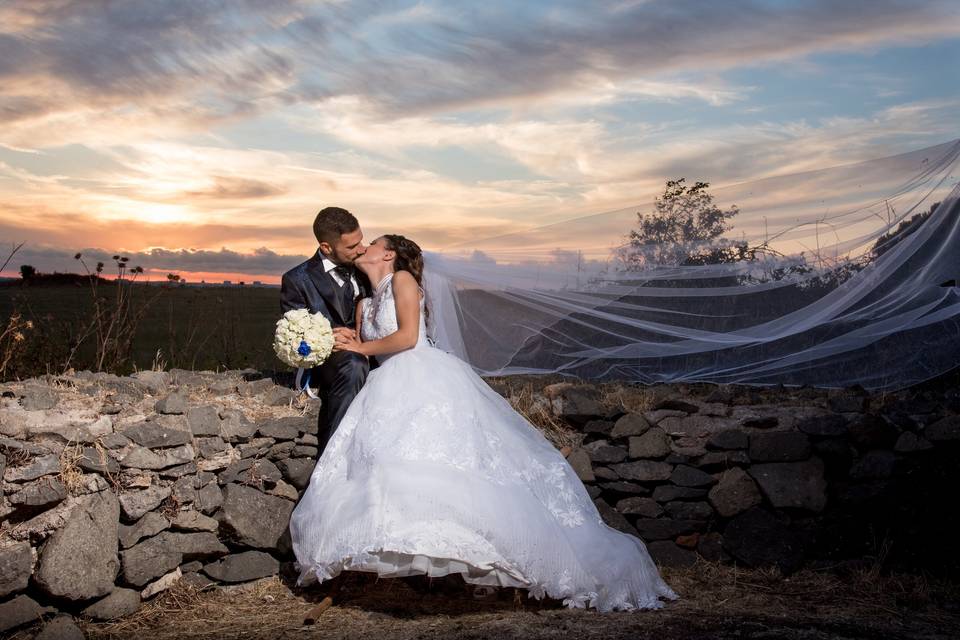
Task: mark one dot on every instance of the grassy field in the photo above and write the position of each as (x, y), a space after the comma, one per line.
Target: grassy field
(190, 327)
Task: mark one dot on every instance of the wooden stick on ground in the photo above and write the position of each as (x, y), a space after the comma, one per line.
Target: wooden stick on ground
(314, 614)
(317, 610)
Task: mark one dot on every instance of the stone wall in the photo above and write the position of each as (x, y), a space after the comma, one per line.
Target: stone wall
(795, 478)
(115, 488)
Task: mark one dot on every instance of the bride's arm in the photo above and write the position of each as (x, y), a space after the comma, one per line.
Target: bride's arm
(406, 295)
(359, 315)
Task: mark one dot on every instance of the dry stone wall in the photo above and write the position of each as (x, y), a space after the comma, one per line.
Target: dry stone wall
(116, 488)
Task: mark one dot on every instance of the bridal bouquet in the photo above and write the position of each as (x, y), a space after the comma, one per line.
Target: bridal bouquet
(303, 339)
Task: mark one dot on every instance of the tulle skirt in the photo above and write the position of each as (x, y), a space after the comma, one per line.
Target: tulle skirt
(432, 472)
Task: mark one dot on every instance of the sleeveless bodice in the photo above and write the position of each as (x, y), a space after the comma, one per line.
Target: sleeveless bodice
(378, 317)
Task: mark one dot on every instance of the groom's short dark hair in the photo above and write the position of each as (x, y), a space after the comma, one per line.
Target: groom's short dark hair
(333, 222)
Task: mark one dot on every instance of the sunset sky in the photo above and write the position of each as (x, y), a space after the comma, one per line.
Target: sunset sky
(202, 137)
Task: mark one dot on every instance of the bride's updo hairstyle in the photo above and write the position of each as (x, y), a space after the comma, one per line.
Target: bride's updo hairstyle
(409, 258)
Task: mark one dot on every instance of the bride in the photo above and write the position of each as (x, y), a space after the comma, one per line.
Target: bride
(432, 472)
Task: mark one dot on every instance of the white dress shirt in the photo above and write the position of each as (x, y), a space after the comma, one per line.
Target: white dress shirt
(329, 267)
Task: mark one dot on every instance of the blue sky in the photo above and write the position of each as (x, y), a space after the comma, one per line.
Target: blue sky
(203, 136)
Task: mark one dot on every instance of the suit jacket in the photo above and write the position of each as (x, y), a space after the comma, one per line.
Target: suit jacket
(308, 286)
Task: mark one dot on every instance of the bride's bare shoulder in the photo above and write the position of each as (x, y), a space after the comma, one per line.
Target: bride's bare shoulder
(404, 279)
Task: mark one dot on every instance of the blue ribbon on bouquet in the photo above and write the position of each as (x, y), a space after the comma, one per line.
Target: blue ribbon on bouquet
(306, 383)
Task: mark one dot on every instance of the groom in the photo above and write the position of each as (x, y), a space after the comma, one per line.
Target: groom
(329, 284)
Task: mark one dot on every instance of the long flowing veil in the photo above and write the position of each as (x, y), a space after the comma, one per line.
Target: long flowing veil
(837, 277)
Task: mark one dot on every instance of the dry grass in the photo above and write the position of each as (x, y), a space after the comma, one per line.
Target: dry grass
(71, 475)
(628, 398)
(526, 397)
(716, 601)
(15, 457)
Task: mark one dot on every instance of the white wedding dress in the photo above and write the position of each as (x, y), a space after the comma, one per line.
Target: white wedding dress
(432, 472)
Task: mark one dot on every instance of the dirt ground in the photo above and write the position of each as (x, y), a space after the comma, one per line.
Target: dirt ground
(716, 602)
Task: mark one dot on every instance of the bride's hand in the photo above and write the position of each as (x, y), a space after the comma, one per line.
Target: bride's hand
(346, 341)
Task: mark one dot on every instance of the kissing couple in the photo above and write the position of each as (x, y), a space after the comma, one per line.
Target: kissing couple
(423, 468)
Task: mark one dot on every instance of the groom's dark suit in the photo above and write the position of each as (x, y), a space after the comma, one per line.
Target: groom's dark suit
(340, 377)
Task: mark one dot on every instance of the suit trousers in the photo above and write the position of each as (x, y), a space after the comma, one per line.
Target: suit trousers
(340, 378)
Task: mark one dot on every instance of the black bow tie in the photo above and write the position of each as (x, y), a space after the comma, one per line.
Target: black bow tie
(344, 272)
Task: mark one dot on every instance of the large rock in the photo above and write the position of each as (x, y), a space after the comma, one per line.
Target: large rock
(870, 431)
(241, 567)
(137, 503)
(257, 447)
(696, 425)
(613, 518)
(720, 460)
(579, 460)
(575, 404)
(875, 464)
(829, 424)
(235, 427)
(16, 566)
(258, 472)
(37, 468)
(757, 538)
(96, 460)
(655, 443)
(643, 470)
(685, 510)
(162, 553)
(280, 429)
(798, 485)
(255, 387)
(210, 447)
(153, 381)
(779, 446)
(278, 396)
(735, 493)
(687, 476)
(66, 425)
(152, 435)
(149, 525)
(41, 492)
(602, 452)
(728, 439)
(20, 611)
(38, 398)
(668, 492)
(944, 430)
(909, 442)
(204, 420)
(191, 520)
(667, 554)
(143, 458)
(281, 450)
(665, 528)
(60, 628)
(631, 424)
(222, 387)
(207, 499)
(640, 505)
(252, 518)
(79, 561)
(121, 602)
(599, 427)
(297, 471)
(172, 404)
(622, 486)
